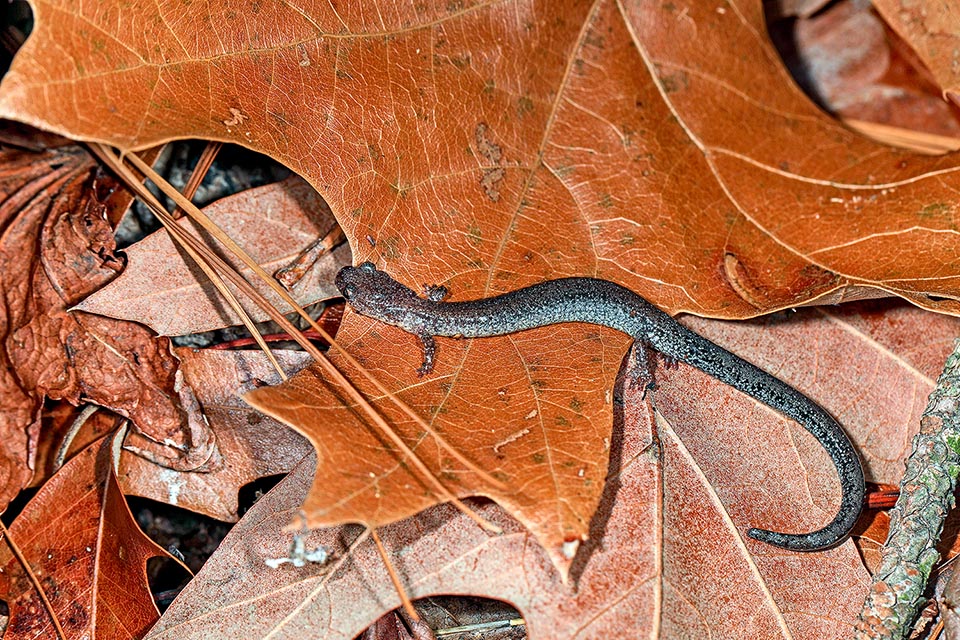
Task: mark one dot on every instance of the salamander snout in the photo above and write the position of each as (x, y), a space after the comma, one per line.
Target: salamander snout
(370, 290)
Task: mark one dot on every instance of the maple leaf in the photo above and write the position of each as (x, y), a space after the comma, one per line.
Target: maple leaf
(81, 540)
(57, 248)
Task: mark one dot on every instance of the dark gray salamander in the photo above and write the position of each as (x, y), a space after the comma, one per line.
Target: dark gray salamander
(374, 293)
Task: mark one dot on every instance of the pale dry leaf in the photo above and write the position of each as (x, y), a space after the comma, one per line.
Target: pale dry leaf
(663, 557)
(251, 445)
(163, 289)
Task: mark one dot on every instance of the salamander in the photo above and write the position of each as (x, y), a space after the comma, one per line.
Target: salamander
(374, 293)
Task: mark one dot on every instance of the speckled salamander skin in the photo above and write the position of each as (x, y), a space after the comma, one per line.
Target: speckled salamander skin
(374, 293)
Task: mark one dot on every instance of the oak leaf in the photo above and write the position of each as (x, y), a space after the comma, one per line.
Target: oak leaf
(80, 539)
(663, 555)
(663, 146)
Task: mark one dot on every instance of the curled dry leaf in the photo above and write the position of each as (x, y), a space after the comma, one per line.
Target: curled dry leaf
(863, 73)
(57, 248)
(82, 542)
(664, 555)
(250, 444)
(163, 289)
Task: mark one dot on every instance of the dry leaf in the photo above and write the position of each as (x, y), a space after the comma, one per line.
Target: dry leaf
(163, 289)
(251, 445)
(862, 72)
(663, 556)
(82, 542)
(932, 31)
(489, 146)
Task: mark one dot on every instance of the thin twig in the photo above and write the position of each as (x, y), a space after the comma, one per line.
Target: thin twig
(15, 548)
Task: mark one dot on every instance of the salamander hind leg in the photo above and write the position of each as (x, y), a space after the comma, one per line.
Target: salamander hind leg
(641, 371)
(429, 354)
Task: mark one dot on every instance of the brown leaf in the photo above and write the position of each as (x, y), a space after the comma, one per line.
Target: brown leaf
(82, 542)
(57, 248)
(163, 289)
(861, 71)
(663, 555)
(251, 445)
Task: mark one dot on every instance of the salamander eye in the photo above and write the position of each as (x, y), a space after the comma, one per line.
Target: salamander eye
(348, 291)
(367, 267)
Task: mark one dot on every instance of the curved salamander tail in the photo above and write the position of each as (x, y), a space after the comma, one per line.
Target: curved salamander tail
(852, 485)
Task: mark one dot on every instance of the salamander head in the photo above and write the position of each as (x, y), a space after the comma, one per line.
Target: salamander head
(373, 293)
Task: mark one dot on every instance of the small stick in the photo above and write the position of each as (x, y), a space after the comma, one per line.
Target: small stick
(916, 522)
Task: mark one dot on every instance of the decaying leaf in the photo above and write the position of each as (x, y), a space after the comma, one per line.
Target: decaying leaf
(57, 248)
(537, 433)
(163, 289)
(250, 444)
(90, 556)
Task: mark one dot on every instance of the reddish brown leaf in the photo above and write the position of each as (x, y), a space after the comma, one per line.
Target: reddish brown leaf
(58, 426)
(492, 145)
(546, 440)
(82, 542)
(163, 289)
(251, 445)
(57, 247)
